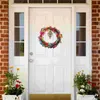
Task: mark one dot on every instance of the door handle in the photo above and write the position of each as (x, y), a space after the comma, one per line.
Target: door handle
(30, 60)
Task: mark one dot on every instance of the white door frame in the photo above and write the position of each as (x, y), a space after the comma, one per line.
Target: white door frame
(25, 8)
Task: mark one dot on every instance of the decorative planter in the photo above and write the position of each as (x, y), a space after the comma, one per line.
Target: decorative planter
(85, 97)
(12, 97)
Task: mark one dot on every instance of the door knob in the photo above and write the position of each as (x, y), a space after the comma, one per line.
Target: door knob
(30, 60)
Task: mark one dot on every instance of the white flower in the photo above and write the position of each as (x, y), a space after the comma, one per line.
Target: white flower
(6, 86)
(82, 86)
(96, 95)
(82, 90)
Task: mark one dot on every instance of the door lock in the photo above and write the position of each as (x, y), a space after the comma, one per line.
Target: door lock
(31, 53)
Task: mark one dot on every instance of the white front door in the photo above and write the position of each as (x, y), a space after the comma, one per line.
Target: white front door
(50, 69)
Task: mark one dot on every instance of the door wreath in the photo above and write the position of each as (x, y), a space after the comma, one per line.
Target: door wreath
(50, 30)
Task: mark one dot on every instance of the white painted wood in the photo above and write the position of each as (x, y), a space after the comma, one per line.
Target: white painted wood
(51, 5)
(89, 2)
(17, 61)
(73, 54)
(58, 60)
(85, 61)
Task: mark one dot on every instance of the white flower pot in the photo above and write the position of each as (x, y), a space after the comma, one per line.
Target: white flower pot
(85, 97)
(12, 97)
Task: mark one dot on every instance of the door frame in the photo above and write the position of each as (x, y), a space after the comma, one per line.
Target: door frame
(25, 8)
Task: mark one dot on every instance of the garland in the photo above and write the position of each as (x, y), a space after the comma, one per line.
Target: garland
(46, 44)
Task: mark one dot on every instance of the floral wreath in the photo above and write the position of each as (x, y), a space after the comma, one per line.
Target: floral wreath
(50, 29)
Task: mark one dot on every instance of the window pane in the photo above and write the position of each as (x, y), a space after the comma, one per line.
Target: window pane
(50, 1)
(79, 1)
(20, 1)
(64, 1)
(35, 1)
(80, 49)
(81, 34)
(81, 19)
(19, 34)
(19, 19)
(19, 49)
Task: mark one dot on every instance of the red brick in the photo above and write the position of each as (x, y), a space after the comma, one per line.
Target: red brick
(0, 88)
(4, 35)
(1, 72)
(3, 60)
(94, 48)
(4, 27)
(95, 71)
(98, 10)
(3, 76)
(94, 59)
(5, 64)
(94, 2)
(99, 67)
(95, 23)
(4, 51)
(4, 11)
(95, 55)
(95, 39)
(95, 64)
(94, 27)
(98, 19)
(6, 31)
(5, 23)
(95, 31)
(5, 6)
(95, 14)
(94, 19)
(95, 6)
(4, 44)
(1, 92)
(4, 68)
(94, 10)
(4, 19)
(94, 68)
(98, 2)
(96, 80)
(94, 76)
(99, 75)
(4, 2)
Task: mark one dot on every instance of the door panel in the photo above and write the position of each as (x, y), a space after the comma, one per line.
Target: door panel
(50, 70)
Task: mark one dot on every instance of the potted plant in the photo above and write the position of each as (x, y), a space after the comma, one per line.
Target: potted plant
(86, 89)
(13, 87)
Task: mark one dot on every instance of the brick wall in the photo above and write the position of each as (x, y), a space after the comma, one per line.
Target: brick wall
(3, 42)
(96, 41)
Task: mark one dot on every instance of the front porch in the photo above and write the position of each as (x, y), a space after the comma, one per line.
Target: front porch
(44, 70)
